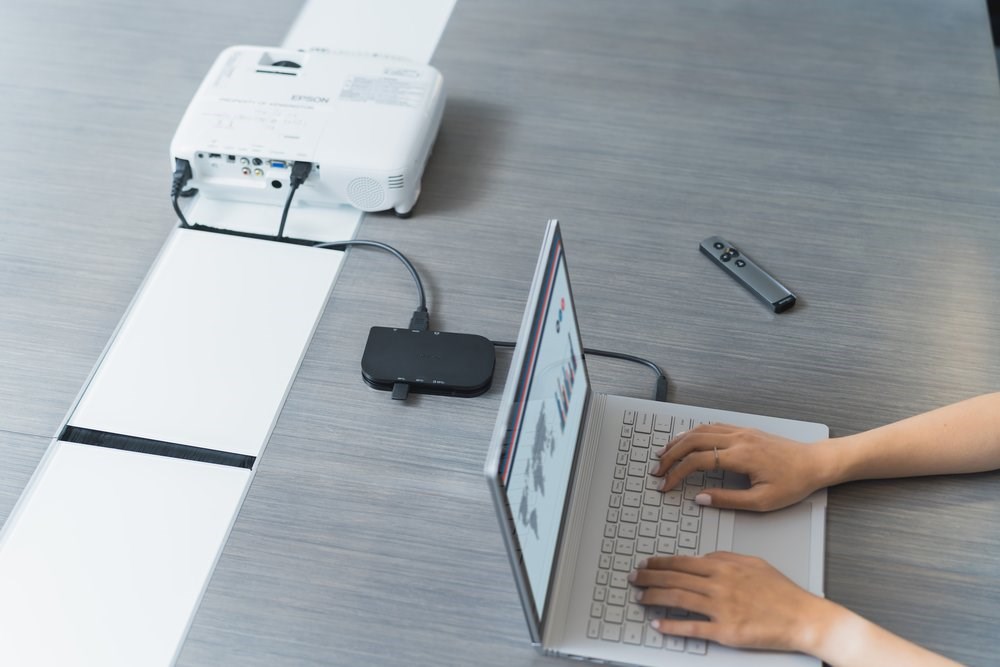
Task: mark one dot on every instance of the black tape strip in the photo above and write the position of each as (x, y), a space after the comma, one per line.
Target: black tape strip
(249, 235)
(86, 436)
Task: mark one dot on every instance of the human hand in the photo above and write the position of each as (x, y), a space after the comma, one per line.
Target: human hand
(749, 604)
(781, 471)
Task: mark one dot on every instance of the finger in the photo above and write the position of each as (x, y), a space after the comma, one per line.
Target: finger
(668, 579)
(698, 565)
(677, 450)
(675, 597)
(691, 463)
(690, 442)
(755, 499)
(679, 628)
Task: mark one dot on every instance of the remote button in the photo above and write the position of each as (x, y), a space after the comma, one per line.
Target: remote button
(719, 246)
(726, 257)
(740, 263)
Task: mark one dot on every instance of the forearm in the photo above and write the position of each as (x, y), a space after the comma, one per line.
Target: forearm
(958, 438)
(841, 638)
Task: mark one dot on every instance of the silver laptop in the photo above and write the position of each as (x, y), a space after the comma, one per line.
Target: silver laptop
(569, 474)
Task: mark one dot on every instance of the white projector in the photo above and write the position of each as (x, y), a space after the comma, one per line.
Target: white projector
(367, 124)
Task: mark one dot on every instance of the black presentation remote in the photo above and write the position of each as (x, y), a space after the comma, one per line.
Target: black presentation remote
(760, 283)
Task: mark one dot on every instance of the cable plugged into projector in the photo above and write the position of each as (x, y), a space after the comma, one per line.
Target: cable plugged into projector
(427, 362)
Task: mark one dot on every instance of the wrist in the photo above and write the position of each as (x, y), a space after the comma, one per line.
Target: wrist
(825, 626)
(833, 461)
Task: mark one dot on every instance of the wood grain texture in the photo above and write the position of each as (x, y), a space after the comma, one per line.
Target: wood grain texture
(850, 147)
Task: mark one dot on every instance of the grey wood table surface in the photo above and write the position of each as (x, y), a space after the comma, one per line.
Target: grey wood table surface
(851, 147)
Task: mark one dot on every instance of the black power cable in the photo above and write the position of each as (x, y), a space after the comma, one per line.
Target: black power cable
(420, 320)
(300, 172)
(661, 377)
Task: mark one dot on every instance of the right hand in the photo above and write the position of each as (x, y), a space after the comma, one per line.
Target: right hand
(781, 471)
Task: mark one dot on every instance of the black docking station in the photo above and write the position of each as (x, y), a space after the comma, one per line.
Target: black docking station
(427, 362)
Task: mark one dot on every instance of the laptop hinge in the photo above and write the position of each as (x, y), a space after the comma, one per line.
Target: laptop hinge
(554, 625)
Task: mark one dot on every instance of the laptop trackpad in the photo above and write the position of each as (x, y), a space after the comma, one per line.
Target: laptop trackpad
(781, 538)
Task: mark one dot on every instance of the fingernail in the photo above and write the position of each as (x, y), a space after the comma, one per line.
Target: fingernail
(638, 595)
(660, 453)
(641, 565)
(655, 624)
(703, 499)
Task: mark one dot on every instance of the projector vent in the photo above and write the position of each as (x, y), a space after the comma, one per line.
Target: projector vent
(365, 193)
(396, 182)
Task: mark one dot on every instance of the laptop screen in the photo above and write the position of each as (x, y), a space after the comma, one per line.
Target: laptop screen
(544, 423)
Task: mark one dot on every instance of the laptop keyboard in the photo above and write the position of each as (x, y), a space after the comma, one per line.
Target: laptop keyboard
(643, 522)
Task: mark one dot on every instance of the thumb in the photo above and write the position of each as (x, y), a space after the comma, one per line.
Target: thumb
(733, 499)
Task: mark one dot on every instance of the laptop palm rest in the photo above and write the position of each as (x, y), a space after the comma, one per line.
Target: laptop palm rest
(766, 535)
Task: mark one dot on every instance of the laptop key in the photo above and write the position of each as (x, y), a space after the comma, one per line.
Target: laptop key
(602, 577)
(622, 563)
(699, 646)
(635, 613)
(650, 513)
(643, 422)
(629, 417)
(594, 628)
(614, 614)
(634, 484)
(617, 597)
(596, 609)
(611, 632)
(690, 491)
(641, 440)
(673, 497)
(645, 545)
(654, 639)
(690, 524)
(632, 633)
(674, 643)
(619, 580)
(647, 529)
(668, 529)
(688, 540)
(600, 593)
(663, 423)
(666, 545)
